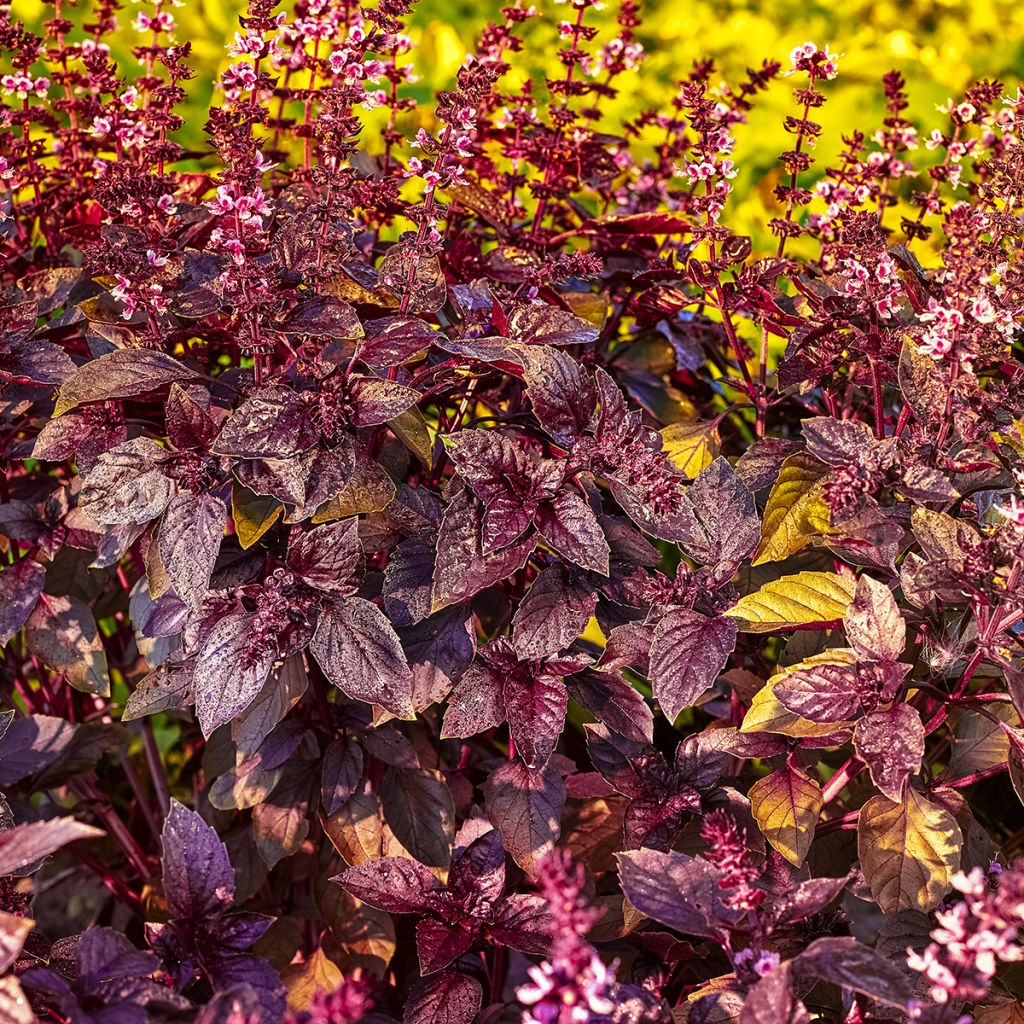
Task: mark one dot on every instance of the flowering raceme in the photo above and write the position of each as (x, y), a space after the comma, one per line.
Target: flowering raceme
(449, 573)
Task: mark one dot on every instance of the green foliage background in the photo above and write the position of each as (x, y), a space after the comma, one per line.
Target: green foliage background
(939, 45)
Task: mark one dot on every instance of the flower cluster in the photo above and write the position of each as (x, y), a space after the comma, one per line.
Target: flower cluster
(974, 934)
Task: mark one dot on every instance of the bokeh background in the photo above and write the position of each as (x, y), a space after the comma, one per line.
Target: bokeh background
(940, 46)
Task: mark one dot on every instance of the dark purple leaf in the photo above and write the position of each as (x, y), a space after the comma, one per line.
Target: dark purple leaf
(562, 395)
(407, 582)
(20, 587)
(569, 525)
(394, 339)
(395, 884)
(525, 806)
(729, 526)
(419, 809)
(438, 943)
(197, 874)
(446, 998)
(772, 1000)
(274, 424)
(361, 654)
(844, 961)
(322, 316)
(676, 890)
(523, 922)
(554, 612)
(189, 540)
(464, 566)
(535, 704)
(480, 868)
(548, 325)
(230, 671)
(688, 652)
(612, 700)
(327, 556)
(891, 743)
(341, 773)
(122, 373)
(376, 401)
(475, 705)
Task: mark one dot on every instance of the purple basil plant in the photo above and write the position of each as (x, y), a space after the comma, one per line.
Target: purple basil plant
(447, 575)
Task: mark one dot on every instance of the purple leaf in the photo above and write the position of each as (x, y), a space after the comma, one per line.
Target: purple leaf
(891, 743)
(535, 704)
(676, 890)
(327, 556)
(729, 527)
(438, 943)
(230, 671)
(419, 809)
(772, 1000)
(688, 652)
(526, 808)
(612, 700)
(274, 424)
(479, 869)
(197, 875)
(26, 844)
(874, 626)
(189, 540)
(523, 922)
(32, 743)
(376, 401)
(394, 339)
(360, 653)
(475, 705)
(122, 373)
(562, 395)
(407, 582)
(395, 884)
(341, 773)
(821, 693)
(464, 566)
(127, 485)
(569, 525)
(446, 998)
(548, 325)
(554, 612)
(809, 898)
(844, 961)
(20, 587)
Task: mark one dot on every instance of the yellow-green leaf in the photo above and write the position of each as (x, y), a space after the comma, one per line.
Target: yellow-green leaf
(768, 714)
(908, 852)
(691, 446)
(786, 805)
(792, 601)
(795, 500)
(411, 429)
(253, 514)
(303, 981)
